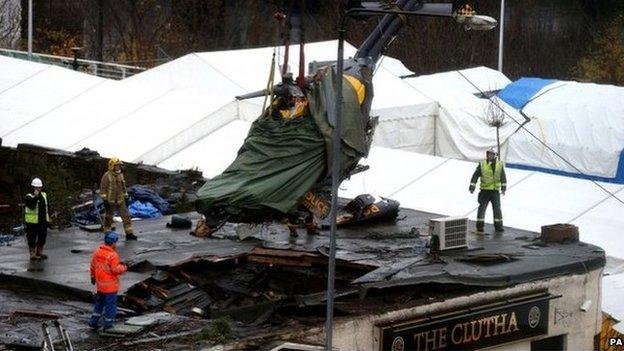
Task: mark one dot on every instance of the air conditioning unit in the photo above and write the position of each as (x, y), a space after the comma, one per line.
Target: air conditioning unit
(449, 232)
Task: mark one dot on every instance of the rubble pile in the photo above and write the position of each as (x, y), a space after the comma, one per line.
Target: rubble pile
(248, 288)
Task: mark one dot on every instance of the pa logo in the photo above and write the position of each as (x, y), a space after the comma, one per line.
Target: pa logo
(534, 316)
(398, 344)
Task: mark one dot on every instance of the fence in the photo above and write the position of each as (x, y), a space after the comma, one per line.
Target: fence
(100, 69)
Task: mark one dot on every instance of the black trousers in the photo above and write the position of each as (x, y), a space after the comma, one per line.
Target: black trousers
(36, 234)
(485, 197)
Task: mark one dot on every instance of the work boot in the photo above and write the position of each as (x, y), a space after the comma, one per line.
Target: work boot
(292, 228)
(41, 254)
(131, 236)
(33, 255)
(499, 229)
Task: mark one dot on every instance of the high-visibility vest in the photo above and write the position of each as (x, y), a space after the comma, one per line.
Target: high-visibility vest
(106, 269)
(31, 216)
(491, 178)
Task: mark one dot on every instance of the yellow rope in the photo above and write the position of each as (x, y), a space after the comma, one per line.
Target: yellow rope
(270, 85)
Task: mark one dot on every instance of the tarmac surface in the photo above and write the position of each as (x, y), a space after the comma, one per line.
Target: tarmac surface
(70, 251)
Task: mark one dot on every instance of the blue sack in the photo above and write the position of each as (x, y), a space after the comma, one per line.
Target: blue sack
(140, 209)
(144, 194)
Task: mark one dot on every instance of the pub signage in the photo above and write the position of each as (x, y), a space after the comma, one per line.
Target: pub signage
(472, 329)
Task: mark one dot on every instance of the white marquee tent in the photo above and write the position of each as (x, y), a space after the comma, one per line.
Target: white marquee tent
(583, 122)
(461, 128)
(154, 115)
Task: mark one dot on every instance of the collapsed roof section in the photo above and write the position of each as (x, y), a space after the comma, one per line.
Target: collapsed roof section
(179, 273)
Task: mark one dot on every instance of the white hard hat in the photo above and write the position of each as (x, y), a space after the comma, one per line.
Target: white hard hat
(37, 183)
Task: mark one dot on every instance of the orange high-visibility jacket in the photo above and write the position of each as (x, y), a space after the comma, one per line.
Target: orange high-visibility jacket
(106, 269)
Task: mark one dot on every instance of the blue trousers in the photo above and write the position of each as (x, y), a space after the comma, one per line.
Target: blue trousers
(106, 303)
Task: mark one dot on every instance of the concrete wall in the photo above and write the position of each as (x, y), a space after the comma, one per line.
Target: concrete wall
(565, 317)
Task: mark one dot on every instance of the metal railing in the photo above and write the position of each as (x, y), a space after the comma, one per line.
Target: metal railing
(97, 68)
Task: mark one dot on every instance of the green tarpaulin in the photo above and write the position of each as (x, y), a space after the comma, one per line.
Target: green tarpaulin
(281, 159)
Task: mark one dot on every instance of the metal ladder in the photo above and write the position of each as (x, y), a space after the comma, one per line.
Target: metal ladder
(48, 343)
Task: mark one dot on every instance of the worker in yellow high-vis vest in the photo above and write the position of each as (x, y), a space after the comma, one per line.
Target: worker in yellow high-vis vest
(493, 182)
(113, 191)
(37, 217)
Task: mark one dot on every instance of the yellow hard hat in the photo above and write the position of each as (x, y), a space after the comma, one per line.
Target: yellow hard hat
(112, 162)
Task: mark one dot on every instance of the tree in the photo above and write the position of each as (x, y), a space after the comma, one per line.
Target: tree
(10, 17)
(125, 31)
(605, 61)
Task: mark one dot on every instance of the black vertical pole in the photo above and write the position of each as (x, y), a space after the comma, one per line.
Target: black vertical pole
(99, 54)
(498, 141)
(334, 189)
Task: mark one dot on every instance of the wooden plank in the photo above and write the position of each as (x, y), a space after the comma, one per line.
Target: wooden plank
(161, 338)
(136, 301)
(282, 253)
(36, 314)
(608, 332)
(278, 261)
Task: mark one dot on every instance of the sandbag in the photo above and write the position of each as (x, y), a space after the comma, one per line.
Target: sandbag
(179, 222)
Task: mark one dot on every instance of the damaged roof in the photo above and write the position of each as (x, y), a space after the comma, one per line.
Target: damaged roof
(395, 254)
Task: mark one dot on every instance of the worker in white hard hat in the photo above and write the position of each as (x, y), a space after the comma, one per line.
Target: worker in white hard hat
(493, 182)
(37, 217)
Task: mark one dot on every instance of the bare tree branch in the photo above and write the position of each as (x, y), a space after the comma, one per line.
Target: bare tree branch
(10, 18)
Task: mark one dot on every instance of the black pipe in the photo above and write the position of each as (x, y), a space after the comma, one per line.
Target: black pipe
(389, 33)
(375, 35)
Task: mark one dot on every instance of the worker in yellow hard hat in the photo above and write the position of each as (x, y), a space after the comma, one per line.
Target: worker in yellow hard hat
(113, 191)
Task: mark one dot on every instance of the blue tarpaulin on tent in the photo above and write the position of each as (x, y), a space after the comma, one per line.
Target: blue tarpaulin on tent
(618, 179)
(520, 92)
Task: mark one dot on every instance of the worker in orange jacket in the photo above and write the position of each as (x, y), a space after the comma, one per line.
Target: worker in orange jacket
(106, 268)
